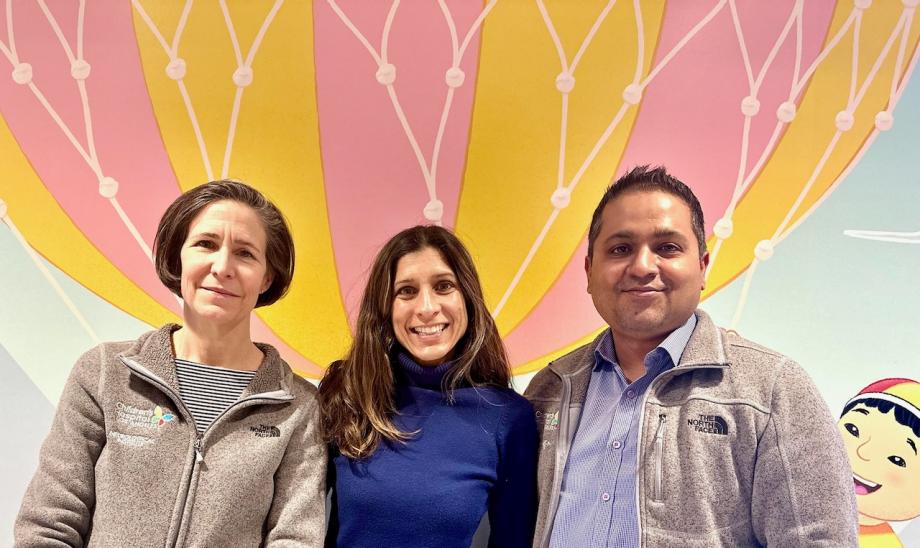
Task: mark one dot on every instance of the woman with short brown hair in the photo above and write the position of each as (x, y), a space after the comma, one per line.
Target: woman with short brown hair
(190, 435)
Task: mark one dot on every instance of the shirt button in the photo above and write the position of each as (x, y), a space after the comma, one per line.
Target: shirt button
(630, 394)
(616, 445)
(605, 497)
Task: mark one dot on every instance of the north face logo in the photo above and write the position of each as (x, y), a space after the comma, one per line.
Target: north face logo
(265, 431)
(709, 424)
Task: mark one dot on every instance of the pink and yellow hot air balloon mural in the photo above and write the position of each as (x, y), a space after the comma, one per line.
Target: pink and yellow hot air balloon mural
(501, 119)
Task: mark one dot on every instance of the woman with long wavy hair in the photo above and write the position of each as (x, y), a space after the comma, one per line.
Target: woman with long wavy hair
(425, 434)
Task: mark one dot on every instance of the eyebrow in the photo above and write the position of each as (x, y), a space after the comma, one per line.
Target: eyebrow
(214, 236)
(659, 233)
(205, 235)
(863, 411)
(912, 445)
(438, 276)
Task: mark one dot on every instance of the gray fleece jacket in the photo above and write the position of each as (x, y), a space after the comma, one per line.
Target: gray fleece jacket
(124, 466)
(736, 448)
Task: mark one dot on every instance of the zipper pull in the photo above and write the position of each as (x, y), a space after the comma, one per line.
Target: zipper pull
(660, 431)
(198, 455)
(659, 458)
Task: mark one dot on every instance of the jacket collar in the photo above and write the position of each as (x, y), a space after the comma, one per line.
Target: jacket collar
(706, 345)
(154, 352)
(705, 348)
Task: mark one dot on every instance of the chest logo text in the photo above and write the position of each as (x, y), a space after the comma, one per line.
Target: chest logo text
(709, 424)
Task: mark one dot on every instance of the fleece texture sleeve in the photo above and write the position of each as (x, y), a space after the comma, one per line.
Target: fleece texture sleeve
(803, 487)
(296, 517)
(513, 500)
(58, 505)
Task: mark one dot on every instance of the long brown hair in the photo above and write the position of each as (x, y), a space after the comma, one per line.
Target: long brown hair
(357, 394)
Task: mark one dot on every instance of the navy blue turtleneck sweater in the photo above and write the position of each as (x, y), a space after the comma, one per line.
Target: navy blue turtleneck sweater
(474, 455)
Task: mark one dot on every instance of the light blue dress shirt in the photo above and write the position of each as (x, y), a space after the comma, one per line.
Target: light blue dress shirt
(597, 505)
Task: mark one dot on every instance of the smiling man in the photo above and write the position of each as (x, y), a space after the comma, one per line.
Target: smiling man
(667, 430)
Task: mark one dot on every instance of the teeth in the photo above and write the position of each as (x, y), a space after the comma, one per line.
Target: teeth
(429, 329)
(864, 481)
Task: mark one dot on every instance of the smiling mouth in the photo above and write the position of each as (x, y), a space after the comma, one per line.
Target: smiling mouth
(643, 290)
(428, 329)
(864, 486)
(220, 291)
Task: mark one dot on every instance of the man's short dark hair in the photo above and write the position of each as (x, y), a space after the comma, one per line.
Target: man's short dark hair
(646, 179)
(174, 226)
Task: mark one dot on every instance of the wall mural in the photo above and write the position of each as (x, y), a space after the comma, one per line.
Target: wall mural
(796, 122)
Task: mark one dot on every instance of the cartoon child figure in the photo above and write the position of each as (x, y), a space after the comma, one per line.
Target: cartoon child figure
(881, 430)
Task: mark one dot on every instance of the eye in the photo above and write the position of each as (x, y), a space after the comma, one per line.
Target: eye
(444, 286)
(619, 249)
(897, 461)
(851, 428)
(669, 248)
(405, 292)
(207, 244)
(245, 253)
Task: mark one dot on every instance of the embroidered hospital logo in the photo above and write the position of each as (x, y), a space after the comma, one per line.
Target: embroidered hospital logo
(130, 440)
(709, 424)
(161, 417)
(550, 420)
(151, 419)
(265, 431)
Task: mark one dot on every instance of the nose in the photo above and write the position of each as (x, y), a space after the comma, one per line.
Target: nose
(644, 263)
(221, 266)
(428, 304)
(862, 451)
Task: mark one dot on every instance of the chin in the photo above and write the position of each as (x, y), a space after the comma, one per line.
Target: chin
(215, 314)
(430, 358)
(643, 325)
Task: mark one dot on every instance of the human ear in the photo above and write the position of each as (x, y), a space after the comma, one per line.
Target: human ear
(588, 273)
(267, 282)
(704, 264)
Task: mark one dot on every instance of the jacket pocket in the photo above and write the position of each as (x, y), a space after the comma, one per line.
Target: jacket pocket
(658, 460)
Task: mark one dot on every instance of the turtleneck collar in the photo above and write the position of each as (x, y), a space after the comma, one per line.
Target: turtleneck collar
(424, 376)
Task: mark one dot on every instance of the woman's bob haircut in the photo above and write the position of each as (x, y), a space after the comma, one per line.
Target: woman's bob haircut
(173, 231)
(357, 393)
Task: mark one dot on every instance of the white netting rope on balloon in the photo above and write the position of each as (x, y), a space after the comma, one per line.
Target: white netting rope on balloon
(80, 71)
(242, 77)
(454, 78)
(46, 274)
(750, 107)
(764, 249)
(561, 195)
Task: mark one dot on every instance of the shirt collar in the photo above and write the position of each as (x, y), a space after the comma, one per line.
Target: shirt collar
(674, 344)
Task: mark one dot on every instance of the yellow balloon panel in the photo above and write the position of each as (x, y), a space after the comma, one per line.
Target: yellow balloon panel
(278, 148)
(51, 233)
(275, 146)
(205, 47)
(773, 193)
(515, 139)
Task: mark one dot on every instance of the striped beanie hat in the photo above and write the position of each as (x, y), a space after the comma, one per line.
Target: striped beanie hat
(902, 392)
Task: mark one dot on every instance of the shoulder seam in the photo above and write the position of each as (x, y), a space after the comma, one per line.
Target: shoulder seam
(743, 343)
